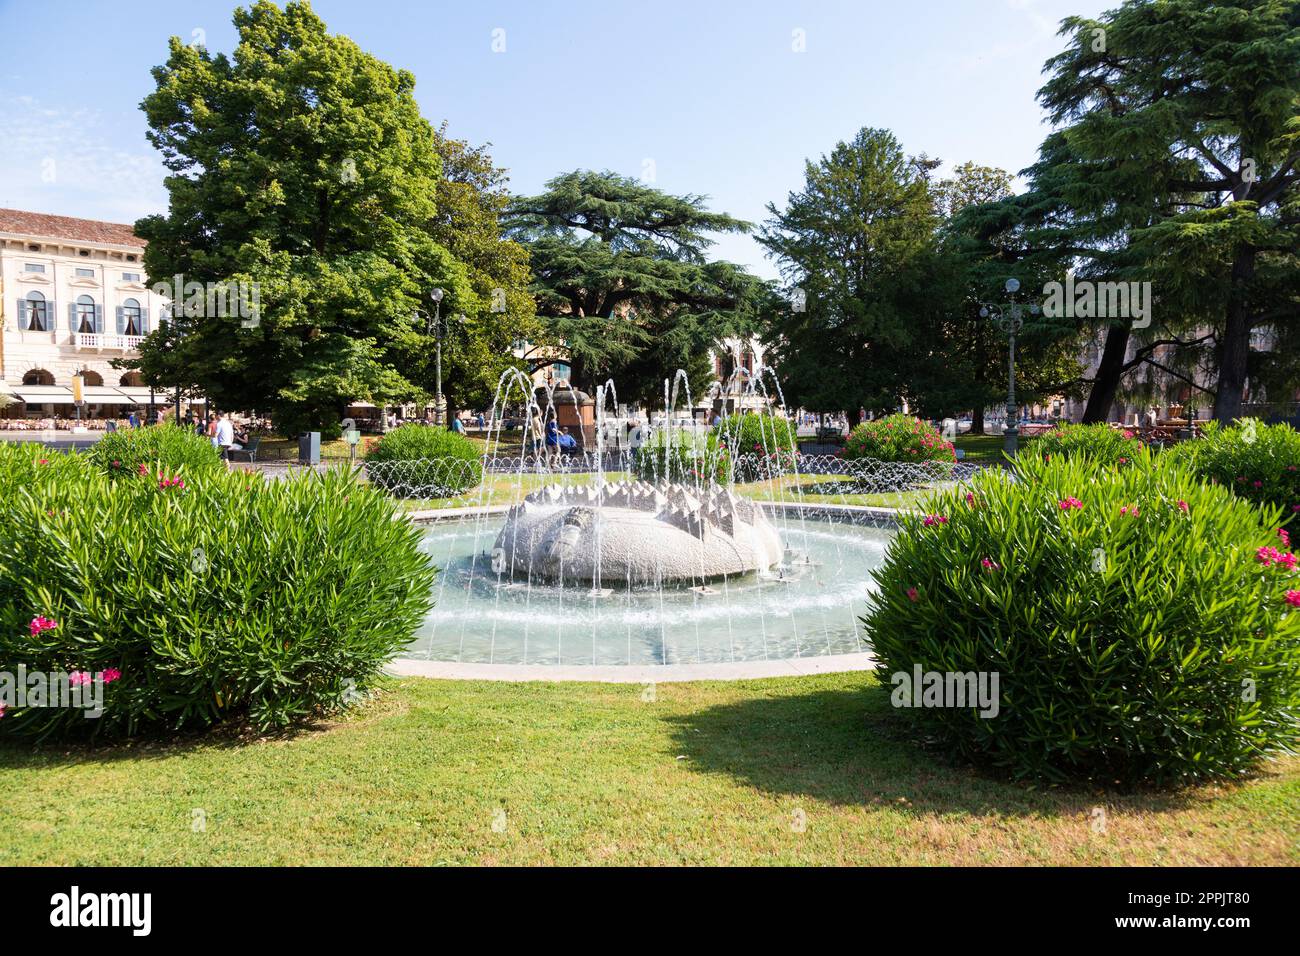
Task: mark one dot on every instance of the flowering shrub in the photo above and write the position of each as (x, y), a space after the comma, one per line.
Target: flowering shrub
(127, 450)
(685, 455)
(1258, 462)
(1101, 443)
(898, 438)
(435, 461)
(225, 597)
(766, 441)
(1140, 621)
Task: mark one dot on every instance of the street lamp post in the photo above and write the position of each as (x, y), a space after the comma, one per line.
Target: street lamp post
(439, 403)
(1010, 317)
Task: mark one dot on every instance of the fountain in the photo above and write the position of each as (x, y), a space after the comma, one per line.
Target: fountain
(635, 532)
(612, 557)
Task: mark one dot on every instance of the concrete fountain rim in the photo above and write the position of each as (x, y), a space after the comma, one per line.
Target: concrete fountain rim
(650, 673)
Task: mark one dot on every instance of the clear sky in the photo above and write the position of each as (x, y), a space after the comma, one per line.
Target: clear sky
(700, 96)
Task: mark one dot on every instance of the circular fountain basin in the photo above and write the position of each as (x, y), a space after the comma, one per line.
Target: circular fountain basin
(805, 605)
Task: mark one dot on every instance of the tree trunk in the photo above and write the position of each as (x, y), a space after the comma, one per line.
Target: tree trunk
(977, 421)
(1234, 343)
(1106, 382)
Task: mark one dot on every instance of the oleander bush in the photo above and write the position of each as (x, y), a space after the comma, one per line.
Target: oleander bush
(201, 597)
(121, 453)
(685, 455)
(898, 437)
(762, 446)
(1099, 442)
(1258, 462)
(1145, 626)
(423, 461)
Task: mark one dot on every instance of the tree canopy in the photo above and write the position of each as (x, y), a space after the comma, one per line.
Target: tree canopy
(622, 281)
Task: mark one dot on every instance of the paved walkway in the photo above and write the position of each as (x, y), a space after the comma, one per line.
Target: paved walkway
(634, 674)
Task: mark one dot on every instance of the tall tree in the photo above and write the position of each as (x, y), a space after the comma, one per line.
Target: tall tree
(1181, 132)
(301, 165)
(472, 198)
(622, 276)
(986, 238)
(854, 246)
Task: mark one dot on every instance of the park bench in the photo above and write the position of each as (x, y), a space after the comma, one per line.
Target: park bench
(247, 453)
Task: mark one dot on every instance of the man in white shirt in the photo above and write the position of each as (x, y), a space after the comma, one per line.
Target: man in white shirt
(226, 434)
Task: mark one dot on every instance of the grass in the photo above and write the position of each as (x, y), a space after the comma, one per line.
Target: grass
(981, 448)
(809, 770)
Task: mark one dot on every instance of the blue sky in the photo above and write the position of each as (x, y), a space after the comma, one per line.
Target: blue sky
(700, 97)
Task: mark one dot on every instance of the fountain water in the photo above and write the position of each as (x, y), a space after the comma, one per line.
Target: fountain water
(614, 557)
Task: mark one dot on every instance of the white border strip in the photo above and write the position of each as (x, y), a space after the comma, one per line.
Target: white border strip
(634, 673)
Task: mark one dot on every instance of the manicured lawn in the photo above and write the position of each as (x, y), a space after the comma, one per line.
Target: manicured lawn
(981, 448)
(800, 770)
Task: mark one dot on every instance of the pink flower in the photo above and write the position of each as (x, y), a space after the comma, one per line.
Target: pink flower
(1066, 504)
(144, 469)
(1182, 505)
(40, 623)
(1293, 598)
(934, 519)
(1133, 511)
(1258, 484)
(1267, 556)
(2, 708)
(970, 499)
(1123, 461)
(1295, 507)
(77, 678)
(990, 565)
(1285, 536)
(44, 461)
(913, 594)
(111, 674)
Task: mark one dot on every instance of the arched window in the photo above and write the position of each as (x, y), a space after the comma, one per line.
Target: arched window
(91, 378)
(38, 376)
(132, 318)
(34, 313)
(132, 379)
(85, 314)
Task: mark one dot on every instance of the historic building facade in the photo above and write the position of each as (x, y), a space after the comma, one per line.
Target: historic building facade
(73, 297)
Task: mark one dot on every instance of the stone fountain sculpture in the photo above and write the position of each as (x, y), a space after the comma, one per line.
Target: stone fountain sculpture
(634, 532)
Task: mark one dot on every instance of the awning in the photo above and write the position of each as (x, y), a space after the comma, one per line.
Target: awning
(39, 394)
(103, 395)
(139, 394)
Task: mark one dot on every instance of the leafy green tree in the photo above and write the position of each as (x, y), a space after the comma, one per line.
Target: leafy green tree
(472, 197)
(1177, 163)
(855, 247)
(301, 165)
(622, 281)
(986, 238)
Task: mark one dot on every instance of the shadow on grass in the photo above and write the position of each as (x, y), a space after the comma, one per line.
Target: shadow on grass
(851, 747)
